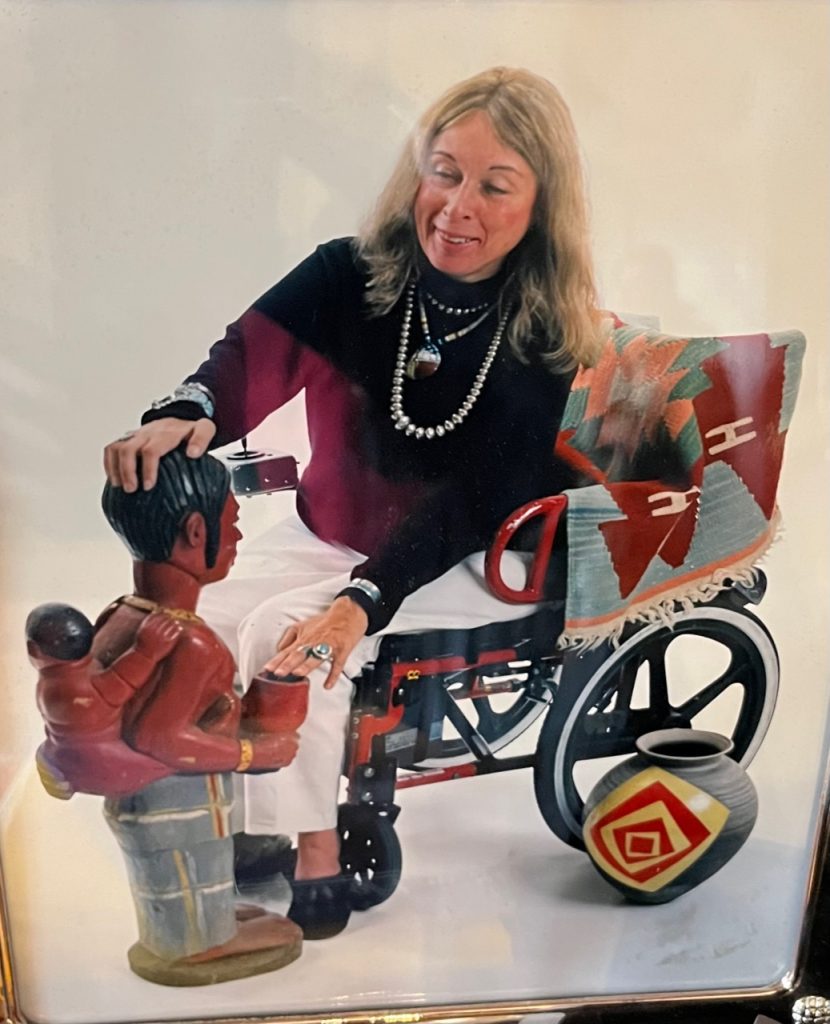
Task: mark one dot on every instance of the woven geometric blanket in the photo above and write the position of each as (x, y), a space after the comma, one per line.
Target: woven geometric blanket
(680, 441)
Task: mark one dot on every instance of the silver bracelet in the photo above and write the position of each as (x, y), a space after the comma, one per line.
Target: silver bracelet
(368, 588)
(193, 392)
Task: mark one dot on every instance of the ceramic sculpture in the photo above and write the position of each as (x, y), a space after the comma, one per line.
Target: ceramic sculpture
(141, 709)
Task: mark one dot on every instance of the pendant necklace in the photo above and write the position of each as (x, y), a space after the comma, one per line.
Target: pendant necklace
(399, 417)
(427, 358)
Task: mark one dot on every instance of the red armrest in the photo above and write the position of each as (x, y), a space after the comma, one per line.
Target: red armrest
(551, 508)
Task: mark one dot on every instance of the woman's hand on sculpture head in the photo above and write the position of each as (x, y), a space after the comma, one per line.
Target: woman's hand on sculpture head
(341, 626)
(149, 443)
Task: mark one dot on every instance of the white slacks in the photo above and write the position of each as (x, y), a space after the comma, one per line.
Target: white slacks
(285, 575)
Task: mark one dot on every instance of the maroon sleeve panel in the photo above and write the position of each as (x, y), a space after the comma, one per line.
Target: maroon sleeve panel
(256, 368)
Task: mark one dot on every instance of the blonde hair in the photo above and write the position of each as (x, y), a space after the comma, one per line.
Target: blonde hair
(552, 277)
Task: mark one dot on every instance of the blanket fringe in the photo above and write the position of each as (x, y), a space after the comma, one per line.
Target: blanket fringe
(674, 603)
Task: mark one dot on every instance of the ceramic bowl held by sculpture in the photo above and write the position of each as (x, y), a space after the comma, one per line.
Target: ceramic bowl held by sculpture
(666, 819)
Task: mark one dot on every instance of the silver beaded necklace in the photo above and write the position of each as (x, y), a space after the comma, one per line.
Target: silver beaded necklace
(399, 417)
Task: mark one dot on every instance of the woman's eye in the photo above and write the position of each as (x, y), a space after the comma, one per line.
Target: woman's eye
(443, 173)
(494, 190)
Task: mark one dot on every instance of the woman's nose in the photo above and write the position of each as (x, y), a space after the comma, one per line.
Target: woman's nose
(460, 201)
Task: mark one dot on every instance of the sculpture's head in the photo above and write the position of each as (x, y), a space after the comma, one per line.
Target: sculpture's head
(57, 633)
(191, 508)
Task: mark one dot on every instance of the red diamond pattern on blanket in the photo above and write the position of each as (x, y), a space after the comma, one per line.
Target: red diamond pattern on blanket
(634, 541)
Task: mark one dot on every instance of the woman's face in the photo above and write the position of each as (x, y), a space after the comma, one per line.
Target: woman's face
(475, 200)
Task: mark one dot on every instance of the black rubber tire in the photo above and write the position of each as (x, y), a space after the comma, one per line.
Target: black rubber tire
(370, 852)
(600, 721)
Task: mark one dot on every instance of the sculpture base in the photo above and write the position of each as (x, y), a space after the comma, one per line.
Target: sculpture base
(211, 972)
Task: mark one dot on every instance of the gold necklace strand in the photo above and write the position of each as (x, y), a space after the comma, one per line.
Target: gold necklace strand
(399, 417)
(146, 605)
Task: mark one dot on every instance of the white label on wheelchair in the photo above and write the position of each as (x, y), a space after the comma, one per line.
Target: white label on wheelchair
(401, 740)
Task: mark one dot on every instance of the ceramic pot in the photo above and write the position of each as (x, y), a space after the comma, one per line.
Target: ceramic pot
(663, 821)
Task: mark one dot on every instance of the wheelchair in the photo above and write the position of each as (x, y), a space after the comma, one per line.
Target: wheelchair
(678, 440)
(679, 436)
(447, 704)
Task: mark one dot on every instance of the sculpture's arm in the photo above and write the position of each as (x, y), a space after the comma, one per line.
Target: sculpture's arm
(156, 637)
(168, 726)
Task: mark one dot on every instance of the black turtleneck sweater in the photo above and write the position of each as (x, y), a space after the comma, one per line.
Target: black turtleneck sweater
(416, 507)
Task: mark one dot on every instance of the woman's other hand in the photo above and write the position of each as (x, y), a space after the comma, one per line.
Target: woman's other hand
(340, 626)
(149, 443)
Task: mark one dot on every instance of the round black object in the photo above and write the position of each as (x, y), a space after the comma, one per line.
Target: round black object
(59, 631)
(370, 853)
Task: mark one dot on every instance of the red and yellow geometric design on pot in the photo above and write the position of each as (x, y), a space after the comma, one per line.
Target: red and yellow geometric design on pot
(651, 828)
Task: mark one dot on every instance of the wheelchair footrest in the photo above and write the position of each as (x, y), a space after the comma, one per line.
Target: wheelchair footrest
(488, 766)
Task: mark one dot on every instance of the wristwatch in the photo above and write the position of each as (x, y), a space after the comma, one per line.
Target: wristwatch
(368, 588)
(193, 392)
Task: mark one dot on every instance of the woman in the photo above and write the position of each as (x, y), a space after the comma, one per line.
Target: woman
(436, 352)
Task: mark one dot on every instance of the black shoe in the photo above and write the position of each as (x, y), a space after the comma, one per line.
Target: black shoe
(321, 906)
(260, 858)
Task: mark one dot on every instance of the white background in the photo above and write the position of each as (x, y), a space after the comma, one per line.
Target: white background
(165, 161)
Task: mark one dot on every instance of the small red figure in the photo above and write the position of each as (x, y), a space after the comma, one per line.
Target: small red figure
(82, 703)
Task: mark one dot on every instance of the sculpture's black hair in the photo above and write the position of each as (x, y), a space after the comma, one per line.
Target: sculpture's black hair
(60, 631)
(149, 521)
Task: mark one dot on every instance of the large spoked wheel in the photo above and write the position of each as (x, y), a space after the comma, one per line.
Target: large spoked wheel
(370, 853)
(716, 668)
(499, 718)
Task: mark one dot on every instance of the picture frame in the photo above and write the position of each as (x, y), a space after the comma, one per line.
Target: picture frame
(130, 195)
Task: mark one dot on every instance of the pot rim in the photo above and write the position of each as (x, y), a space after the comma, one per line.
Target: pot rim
(720, 745)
